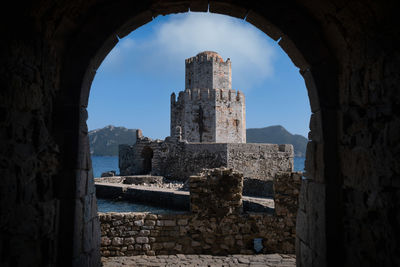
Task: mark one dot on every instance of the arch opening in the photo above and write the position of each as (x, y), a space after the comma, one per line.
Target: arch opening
(314, 166)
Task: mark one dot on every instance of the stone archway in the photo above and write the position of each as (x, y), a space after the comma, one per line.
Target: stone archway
(308, 50)
(346, 51)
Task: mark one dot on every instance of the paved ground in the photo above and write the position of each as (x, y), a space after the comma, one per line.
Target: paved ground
(278, 260)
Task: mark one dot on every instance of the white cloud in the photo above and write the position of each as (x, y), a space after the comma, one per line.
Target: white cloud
(185, 35)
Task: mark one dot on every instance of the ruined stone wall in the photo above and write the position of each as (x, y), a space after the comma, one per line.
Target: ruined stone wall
(216, 193)
(127, 161)
(178, 160)
(131, 158)
(260, 161)
(210, 229)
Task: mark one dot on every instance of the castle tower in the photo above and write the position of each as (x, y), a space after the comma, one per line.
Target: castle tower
(208, 70)
(209, 110)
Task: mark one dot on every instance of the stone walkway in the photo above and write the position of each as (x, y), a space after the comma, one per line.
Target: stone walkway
(278, 260)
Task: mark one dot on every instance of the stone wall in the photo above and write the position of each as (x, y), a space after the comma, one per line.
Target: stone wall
(260, 161)
(216, 193)
(207, 230)
(178, 159)
(133, 160)
(172, 159)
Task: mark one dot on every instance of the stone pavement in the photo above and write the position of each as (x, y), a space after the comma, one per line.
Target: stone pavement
(272, 260)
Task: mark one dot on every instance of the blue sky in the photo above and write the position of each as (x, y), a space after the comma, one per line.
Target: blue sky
(133, 85)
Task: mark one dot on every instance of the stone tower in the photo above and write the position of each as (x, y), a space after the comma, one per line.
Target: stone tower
(209, 110)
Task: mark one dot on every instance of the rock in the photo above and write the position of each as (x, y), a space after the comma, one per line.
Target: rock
(142, 240)
(105, 241)
(117, 241)
(129, 241)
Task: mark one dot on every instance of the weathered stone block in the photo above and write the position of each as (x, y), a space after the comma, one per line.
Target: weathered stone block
(129, 241)
(117, 241)
(105, 241)
(139, 223)
(142, 240)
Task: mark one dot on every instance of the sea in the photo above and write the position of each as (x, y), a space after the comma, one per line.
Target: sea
(110, 163)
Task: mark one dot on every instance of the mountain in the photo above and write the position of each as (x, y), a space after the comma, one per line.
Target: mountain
(105, 141)
(278, 135)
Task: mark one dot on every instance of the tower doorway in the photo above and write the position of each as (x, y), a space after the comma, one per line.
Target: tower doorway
(147, 156)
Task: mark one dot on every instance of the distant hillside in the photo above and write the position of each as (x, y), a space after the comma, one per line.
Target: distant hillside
(105, 141)
(277, 135)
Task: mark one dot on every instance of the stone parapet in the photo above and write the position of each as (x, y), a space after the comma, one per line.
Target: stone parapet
(215, 225)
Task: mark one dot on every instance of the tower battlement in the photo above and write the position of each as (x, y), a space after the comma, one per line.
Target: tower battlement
(207, 94)
(206, 56)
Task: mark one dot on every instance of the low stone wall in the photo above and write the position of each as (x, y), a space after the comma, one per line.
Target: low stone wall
(125, 234)
(217, 233)
(180, 160)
